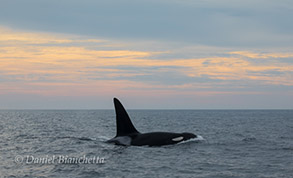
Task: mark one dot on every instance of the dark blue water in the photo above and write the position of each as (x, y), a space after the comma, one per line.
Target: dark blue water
(245, 143)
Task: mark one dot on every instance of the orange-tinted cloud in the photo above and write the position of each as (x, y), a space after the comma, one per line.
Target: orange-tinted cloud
(51, 64)
(262, 55)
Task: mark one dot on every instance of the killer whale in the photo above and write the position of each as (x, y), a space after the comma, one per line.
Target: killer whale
(126, 133)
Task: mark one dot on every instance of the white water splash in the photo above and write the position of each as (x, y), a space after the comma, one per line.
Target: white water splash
(197, 139)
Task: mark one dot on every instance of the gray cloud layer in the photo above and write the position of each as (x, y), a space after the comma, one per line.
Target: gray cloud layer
(225, 23)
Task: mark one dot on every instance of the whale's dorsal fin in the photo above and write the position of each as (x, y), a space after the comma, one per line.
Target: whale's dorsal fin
(123, 123)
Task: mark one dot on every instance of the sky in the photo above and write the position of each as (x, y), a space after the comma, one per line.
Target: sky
(151, 54)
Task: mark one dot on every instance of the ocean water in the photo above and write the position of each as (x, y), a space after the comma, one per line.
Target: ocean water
(71, 143)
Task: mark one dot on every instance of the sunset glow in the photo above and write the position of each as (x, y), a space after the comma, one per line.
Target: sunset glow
(42, 64)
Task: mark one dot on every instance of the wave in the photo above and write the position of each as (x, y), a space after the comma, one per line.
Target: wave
(199, 138)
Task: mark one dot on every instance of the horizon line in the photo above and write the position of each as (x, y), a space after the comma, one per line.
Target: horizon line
(168, 109)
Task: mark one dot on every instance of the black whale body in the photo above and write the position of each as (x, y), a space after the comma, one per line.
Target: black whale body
(126, 133)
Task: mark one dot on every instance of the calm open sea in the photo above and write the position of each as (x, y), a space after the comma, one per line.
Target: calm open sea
(71, 143)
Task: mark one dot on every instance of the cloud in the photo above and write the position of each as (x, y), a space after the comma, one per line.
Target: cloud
(184, 50)
(22, 59)
(262, 55)
(61, 65)
(225, 23)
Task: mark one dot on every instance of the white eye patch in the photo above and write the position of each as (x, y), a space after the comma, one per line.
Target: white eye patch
(177, 139)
